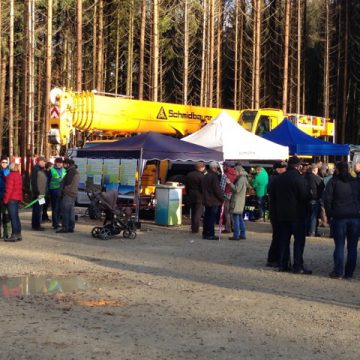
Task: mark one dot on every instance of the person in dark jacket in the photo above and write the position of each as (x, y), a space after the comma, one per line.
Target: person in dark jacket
(69, 192)
(4, 215)
(12, 198)
(193, 185)
(316, 186)
(273, 258)
(290, 195)
(45, 217)
(38, 188)
(56, 175)
(342, 205)
(213, 197)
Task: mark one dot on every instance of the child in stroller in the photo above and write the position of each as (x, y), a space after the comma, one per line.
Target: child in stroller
(116, 220)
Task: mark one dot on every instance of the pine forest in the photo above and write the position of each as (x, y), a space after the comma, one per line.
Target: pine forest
(301, 56)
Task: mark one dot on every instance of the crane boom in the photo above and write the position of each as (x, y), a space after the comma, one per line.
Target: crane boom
(117, 116)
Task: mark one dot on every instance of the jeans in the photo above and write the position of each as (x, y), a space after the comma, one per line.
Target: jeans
(36, 216)
(261, 204)
(13, 208)
(55, 207)
(67, 213)
(313, 218)
(345, 229)
(286, 230)
(209, 220)
(239, 225)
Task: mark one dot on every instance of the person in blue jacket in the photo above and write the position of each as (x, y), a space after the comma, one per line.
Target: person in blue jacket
(4, 216)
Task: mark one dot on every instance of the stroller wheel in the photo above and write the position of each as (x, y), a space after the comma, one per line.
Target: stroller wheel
(95, 232)
(105, 234)
(127, 234)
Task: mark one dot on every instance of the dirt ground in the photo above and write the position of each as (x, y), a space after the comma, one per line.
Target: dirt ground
(168, 294)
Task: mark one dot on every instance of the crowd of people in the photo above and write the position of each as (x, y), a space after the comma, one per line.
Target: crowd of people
(295, 195)
(298, 195)
(56, 184)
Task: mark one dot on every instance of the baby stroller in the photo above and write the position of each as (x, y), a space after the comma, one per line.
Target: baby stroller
(116, 220)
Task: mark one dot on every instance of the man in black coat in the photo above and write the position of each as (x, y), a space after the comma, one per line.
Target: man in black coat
(290, 195)
(213, 197)
(194, 194)
(274, 253)
(316, 187)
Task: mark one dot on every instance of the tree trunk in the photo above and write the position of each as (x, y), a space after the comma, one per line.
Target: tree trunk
(326, 85)
(11, 80)
(2, 102)
(155, 77)
(31, 77)
(211, 53)
(299, 57)
(286, 57)
(219, 54)
(130, 54)
(236, 55)
(117, 52)
(95, 44)
(203, 88)
(257, 54)
(2, 81)
(142, 50)
(100, 62)
(186, 52)
(345, 89)
(79, 37)
(48, 73)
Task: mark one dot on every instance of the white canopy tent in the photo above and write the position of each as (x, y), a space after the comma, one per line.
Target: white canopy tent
(226, 135)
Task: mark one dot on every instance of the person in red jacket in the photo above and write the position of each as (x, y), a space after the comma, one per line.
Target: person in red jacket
(230, 173)
(12, 197)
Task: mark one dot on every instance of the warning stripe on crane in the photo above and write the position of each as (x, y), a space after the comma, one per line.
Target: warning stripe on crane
(54, 112)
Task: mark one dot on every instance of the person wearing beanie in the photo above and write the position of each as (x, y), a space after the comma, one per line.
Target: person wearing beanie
(45, 216)
(56, 175)
(237, 202)
(194, 194)
(5, 226)
(290, 195)
(342, 205)
(213, 197)
(12, 198)
(274, 252)
(230, 174)
(38, 188)
(260, 184)
(69, 192)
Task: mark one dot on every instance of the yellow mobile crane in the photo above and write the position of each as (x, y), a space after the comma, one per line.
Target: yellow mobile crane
(114, 116)
(119, 116)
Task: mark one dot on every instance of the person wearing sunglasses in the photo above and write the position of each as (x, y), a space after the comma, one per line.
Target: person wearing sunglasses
(5, 225)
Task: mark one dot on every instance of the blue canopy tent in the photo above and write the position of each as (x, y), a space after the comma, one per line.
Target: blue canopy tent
(301, 143)
(150, 146)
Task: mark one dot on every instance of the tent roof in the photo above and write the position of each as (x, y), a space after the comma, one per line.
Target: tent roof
(301, 143)
(224, 134)
(154, 146)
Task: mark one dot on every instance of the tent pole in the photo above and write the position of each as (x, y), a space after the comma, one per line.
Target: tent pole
(140, 161)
